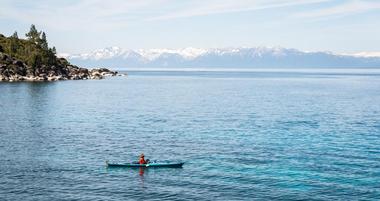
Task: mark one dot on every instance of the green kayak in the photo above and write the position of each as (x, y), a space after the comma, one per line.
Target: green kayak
(152, 165)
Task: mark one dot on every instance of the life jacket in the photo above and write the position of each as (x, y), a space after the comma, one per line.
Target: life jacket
(142, 161)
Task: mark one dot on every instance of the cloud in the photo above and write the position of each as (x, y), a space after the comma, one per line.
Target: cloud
(211, 7)
(105, 15)
(347, 8)
(82, 14)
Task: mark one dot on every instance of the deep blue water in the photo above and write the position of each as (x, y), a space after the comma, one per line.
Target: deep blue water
(242, 136)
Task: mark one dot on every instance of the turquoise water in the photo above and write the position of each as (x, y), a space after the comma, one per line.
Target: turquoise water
(242, 136)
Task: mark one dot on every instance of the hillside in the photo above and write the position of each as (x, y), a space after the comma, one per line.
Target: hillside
(32, 59)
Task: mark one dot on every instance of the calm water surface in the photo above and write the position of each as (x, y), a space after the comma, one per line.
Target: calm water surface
(243, 136)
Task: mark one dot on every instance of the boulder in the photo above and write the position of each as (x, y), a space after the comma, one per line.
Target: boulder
(18, 63)
(96, 76)
(52, 78)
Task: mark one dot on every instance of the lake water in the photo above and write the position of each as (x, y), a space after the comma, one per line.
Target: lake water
(242, 135)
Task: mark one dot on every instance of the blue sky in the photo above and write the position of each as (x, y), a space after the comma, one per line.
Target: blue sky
(75, 26)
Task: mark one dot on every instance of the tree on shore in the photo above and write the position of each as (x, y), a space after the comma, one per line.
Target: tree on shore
(15, 35)
(36, 62)
(34, 50)
(43, 42)
(53, 50)
(50, 57)
(33, 35)
(14, 44)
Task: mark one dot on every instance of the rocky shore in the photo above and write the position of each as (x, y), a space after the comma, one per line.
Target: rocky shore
(12, 70)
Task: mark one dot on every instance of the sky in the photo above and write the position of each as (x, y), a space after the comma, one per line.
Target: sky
(77, 26)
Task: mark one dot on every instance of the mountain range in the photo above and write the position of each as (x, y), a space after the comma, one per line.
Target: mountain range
(257, 57)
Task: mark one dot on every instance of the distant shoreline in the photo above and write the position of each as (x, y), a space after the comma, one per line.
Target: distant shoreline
(242, 70)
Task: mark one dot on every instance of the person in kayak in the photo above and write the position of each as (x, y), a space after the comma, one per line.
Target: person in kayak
(142, 159)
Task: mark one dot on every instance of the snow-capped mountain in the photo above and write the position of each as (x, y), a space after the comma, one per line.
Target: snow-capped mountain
(258, 57)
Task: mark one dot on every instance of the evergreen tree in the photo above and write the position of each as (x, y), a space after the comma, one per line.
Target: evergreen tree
(34, 51)
(14, 44)
(33, 35)
(54, 51)
(51, 58)
(14, 35)
(43, 42)
(36, 62)
(13, 47)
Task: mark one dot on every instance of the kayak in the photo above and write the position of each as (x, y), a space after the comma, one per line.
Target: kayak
(152, 165)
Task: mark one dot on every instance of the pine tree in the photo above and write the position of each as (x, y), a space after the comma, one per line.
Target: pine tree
(14, 35)
(54, 50)
(14, 45)
(52, 59)
(34, 51)
(43, 42)
(33, 35)
(36, 62)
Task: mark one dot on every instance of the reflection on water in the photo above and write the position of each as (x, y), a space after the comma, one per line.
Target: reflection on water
(141, 172)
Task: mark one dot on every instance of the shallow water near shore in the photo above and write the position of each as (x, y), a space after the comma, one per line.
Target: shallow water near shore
(242, 136)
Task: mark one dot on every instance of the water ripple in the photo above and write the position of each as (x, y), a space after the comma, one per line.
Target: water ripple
(242, 138)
